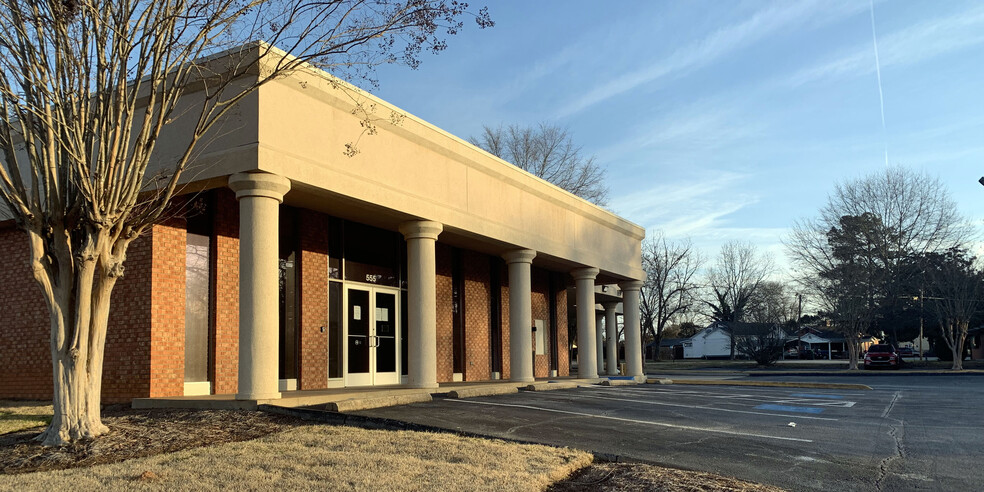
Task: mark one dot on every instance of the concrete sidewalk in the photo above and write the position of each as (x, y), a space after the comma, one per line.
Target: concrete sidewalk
(354, 399)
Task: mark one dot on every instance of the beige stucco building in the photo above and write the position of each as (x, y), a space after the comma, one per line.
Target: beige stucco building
(418, 260)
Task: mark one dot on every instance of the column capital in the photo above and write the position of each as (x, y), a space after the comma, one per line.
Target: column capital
(610, 305)
(585, 273)
(519, 256)
(630, 285)
(259, 184)
(421, 229)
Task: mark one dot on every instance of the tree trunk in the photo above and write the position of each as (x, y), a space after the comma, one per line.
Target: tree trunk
(853, 348)
(78, 295)
(955, 335)
(958, 348)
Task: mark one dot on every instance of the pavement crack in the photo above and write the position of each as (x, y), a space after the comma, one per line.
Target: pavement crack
(897, 432)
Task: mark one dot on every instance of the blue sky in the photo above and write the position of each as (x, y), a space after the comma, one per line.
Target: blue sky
(721, 120)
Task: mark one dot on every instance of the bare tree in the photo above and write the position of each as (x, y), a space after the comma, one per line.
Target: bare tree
(761, 342)
(847, 273)
(669, 289)
(956, 289)
(915, 208)
(88, 86)
(772, 303)
(895, 215)
(851, 316)
(734, 279)
(549, 152)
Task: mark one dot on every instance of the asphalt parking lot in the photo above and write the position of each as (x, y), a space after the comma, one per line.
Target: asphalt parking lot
(908, 433)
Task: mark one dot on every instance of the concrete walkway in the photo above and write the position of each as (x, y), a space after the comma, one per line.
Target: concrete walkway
(353, 399)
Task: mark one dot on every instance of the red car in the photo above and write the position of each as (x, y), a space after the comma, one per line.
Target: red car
(882, 355)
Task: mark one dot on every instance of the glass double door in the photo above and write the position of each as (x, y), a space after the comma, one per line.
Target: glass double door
(372, 336)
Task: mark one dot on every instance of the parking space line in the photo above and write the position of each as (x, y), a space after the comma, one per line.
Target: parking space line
(807, 395)
(787, 408)
(750, 398)
(700, 407)
(636, 421)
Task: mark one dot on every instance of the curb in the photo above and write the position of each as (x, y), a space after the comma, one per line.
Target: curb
(547, 386)
(618, 382)
(483, 391)
(773, 384)
(659, 381)
(357, 404)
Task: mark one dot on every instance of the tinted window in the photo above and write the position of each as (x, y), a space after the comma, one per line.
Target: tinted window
(881, 348)
(371, 255)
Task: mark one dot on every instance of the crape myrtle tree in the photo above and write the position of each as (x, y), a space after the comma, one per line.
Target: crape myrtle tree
(88, 86)
(670, 288)
(956, 287)
(549, 152)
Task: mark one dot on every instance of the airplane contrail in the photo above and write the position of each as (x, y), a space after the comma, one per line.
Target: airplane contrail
(881, 97)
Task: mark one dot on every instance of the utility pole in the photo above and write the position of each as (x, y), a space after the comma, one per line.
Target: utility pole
(799, 325)
(921, 322)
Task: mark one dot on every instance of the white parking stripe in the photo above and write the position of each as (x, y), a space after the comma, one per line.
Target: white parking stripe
(701, 407)
(635, 421)
(766, 398)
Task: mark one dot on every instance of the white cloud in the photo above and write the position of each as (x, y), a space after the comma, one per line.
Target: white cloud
(687, 208)
(777, 17)
(908, 46)
(694, 129)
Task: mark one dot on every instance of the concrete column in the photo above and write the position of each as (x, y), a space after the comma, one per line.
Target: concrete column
(632, 326)
(587, 355)
(520, 314)
(260, 196)
(600, 341)
(611, 334)
(421, 236)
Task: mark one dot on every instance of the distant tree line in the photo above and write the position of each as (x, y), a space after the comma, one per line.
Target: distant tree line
(884, 252)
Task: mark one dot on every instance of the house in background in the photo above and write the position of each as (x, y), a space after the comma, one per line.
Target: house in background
(822, 344)
(715, 341)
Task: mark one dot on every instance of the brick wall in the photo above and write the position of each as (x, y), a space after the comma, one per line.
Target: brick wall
(225, 308)
(563, 354)
(145, 342)
(126, 367)
(313, 365)
(504, 296)
(445, 314)
(129, 364)
(25, 357)
(541, 310)
(475, 269)
(167, 329)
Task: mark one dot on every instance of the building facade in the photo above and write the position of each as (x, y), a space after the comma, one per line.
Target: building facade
(291, 264)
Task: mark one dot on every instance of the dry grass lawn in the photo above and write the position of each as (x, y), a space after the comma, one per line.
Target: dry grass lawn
(328, 458)
(15, 415)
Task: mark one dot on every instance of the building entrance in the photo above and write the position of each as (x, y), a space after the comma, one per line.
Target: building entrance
(372, 334)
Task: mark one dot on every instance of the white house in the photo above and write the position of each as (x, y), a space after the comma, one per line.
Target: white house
(713, 341)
